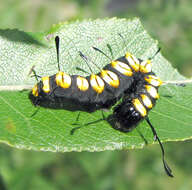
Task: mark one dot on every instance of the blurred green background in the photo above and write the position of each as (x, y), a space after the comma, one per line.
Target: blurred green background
(170, 22)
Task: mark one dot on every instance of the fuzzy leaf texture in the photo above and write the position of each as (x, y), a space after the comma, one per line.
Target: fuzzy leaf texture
(50, 129)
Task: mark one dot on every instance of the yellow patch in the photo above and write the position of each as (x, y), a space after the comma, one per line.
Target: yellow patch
(46, 86)
(63, 80)
(82, 83)
(152, 91)
(133, 61)
(153, 80)
(97, 83)
(110, 78)
(35, 91)
(122, 68)
(139, 107)
(10, 126)
(146, 66)
(146, 101)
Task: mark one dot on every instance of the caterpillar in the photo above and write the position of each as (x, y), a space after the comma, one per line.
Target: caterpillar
(127, 77)
(94, 92)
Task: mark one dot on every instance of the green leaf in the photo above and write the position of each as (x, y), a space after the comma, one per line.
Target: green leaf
(49, 129)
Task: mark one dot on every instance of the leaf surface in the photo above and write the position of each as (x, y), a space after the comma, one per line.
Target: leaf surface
(49, 129)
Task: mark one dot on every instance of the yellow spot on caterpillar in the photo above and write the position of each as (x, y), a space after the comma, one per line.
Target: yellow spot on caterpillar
(146, 101)
(139, 107)
(35, 91)
(153, 80)
(152, 91)
(63, 80)
(110, 78)
(97, 83)
(46, 86)
(146, 66)
(82, 83)
(133, 61)
(122, 68)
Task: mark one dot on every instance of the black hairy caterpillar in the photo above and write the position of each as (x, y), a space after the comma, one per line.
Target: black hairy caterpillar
(127, 77)
(94, 92)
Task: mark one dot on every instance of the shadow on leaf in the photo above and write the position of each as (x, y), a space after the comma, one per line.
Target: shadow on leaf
(19, 36)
